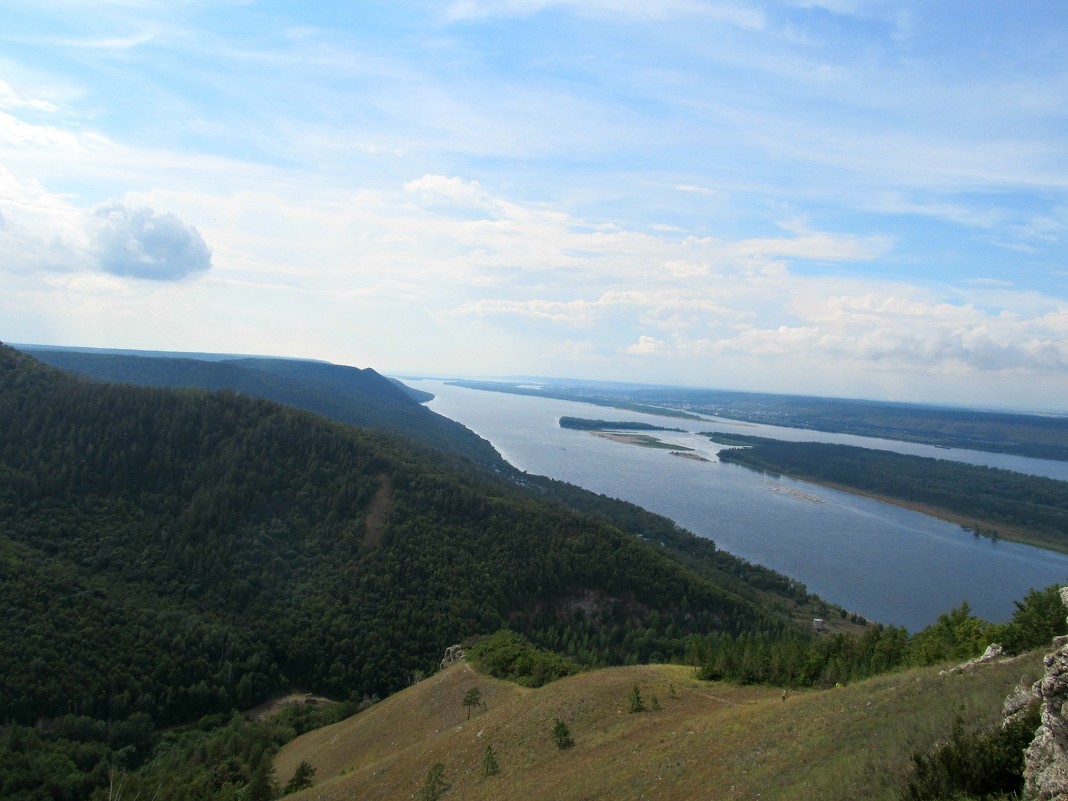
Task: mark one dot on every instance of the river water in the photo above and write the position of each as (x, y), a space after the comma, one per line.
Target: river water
(886, 563)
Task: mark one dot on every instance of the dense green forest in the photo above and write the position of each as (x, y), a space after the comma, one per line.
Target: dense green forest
(793, 659)
(998, 502)
(1035, 435)
(347, 394)
(167, 555)
(364, 398)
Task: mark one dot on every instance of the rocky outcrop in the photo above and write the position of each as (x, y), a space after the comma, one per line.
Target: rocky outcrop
(1046, 761)
(1018, 705)
(453, 654)
(993, 652)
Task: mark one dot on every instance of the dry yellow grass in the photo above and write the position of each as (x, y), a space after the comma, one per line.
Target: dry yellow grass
(710, 741)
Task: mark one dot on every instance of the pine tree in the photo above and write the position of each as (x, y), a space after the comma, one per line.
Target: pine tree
(472, 698)
(635, 700)
(489, 763)
(302, 777)
(435, 785)
(261, 786)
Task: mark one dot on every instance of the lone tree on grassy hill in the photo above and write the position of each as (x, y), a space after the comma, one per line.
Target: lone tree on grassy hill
(489, 763)
(635, 700)
(435, 785)
(302, 777)
(562, 735)
(472, 698)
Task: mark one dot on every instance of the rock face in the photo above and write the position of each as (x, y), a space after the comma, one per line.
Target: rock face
(993, 652)
(454, 653)
(1018, 705)
(1046, 761)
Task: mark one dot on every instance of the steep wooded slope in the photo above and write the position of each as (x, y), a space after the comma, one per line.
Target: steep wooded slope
(359, 397)
(173, 553)
(364, 398)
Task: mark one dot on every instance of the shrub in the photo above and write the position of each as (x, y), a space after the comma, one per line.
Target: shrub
(987, 763)
(562, 735)
(511, 656)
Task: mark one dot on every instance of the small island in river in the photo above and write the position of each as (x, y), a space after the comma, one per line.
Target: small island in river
(583, 424)
(619, 431)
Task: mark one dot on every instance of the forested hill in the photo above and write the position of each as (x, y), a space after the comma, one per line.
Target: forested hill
(350, 395)
(169, 553)
(364, 398)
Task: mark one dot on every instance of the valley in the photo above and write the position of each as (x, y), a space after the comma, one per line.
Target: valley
(882, 561)
(229, 548)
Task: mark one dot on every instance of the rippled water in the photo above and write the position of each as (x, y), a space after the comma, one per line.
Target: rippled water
(884, 562)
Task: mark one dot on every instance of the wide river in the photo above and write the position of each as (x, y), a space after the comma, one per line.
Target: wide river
(886, 563)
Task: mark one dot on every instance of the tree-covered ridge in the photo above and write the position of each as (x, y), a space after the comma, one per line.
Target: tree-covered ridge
(1031, 508)
(349, 395)
(359, 397)
(175, 553)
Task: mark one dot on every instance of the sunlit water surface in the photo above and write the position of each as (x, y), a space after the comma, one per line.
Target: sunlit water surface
(881, 561)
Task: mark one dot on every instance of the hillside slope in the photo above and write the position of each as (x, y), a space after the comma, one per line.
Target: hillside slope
(365, 399)
(358, 397)
(225, 547)
(708, 740)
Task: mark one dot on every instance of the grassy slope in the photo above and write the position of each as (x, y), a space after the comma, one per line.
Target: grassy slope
(710, 741)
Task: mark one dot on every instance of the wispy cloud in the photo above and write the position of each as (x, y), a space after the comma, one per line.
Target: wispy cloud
(820, 193)
(740, 14)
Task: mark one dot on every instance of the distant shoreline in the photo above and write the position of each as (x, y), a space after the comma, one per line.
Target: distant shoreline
(972, 525)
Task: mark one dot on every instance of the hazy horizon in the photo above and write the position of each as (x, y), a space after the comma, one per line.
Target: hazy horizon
(547, 380)
(840, 198)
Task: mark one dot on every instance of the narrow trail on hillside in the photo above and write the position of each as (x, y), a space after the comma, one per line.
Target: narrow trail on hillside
(723, 700)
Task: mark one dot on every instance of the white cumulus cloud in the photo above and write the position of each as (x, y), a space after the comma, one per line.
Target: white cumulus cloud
(142, 243)
(645, 346)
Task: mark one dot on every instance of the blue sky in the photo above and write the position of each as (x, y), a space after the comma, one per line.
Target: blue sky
(839, 197)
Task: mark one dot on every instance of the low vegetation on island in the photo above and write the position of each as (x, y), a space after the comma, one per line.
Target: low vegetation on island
(623, 431)
(584, 424)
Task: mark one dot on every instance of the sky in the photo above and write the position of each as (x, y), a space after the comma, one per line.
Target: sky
(836, 197)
